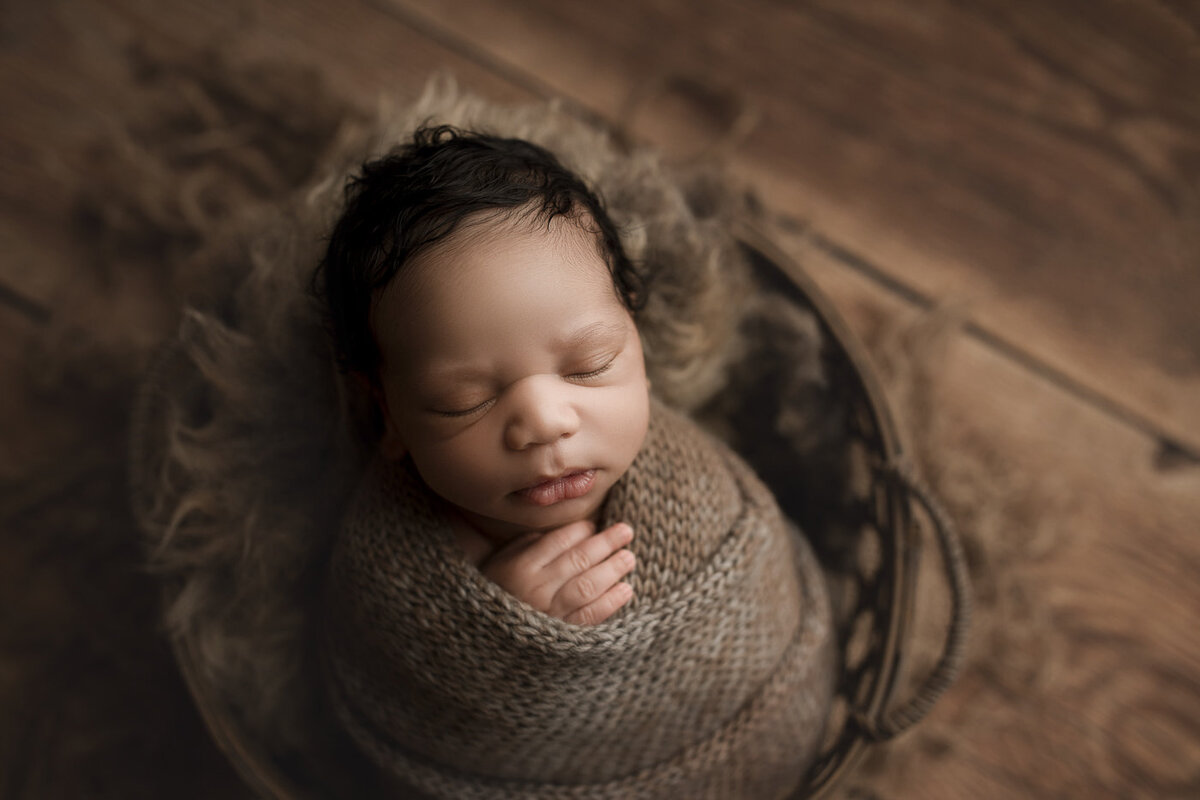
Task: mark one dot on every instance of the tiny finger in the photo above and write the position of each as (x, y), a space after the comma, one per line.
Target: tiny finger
(592, 584)
(591, 551)
(558, 541)
(601, 609)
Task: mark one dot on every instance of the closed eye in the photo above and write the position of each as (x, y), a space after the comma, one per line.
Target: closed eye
(466, 412)
(591, 374)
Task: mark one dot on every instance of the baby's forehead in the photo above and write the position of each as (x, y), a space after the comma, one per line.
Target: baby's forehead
(489, 237)
(497, 275)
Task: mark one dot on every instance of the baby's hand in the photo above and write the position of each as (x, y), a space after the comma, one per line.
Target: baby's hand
(572, 572)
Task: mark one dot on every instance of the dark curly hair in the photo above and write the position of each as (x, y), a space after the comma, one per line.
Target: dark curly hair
(419, 194)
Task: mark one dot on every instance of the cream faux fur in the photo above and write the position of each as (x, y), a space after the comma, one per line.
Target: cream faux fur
(243, 445)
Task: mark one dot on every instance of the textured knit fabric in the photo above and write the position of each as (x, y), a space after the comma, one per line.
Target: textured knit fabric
(714, 681)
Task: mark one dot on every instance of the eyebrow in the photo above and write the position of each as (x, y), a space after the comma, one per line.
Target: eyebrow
(597, 330)
(565, 344)
(463, 374)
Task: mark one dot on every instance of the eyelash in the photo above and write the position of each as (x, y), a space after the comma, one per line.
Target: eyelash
(596, 373)
(577, 376)
(466, 412)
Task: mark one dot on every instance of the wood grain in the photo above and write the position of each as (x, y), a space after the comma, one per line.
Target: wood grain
(1084, 678)
(90, 700)
(1038, 161)
(69, 75)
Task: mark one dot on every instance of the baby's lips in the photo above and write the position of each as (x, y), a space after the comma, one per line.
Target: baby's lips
(555, 490)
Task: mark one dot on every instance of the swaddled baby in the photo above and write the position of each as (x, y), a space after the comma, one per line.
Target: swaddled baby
(548, 584)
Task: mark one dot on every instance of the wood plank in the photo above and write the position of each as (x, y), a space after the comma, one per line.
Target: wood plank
(90, 700)
(1039, 162)
(1084, 673)
(1082, 680)
(70, 76)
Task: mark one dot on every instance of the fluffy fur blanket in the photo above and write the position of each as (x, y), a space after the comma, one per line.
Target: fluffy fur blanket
(87, 687)
(245, 447)
(715, 681)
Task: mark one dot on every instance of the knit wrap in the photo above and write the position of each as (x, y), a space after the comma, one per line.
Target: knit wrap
(714, 681)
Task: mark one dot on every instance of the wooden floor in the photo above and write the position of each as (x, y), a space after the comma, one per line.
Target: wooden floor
(1033, 166)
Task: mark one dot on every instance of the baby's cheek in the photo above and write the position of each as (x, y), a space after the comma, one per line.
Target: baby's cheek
(459, 471)
(628, 415)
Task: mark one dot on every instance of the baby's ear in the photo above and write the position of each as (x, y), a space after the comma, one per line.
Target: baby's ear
(391, 446)
(383, 427)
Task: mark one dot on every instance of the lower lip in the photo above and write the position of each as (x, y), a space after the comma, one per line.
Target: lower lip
(568, 487)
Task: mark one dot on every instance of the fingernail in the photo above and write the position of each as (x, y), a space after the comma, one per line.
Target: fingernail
(627, 558)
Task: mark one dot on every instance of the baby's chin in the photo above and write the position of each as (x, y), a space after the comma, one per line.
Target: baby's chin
(535, 520)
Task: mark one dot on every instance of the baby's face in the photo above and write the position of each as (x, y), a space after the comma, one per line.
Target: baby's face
(512, 375)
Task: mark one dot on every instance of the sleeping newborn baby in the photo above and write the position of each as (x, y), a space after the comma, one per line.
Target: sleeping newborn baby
(548, 583)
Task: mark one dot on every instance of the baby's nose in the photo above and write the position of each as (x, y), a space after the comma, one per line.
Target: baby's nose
(541, 413)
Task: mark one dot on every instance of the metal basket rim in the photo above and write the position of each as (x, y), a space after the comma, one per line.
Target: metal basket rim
(265, 776)
(891, 453)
